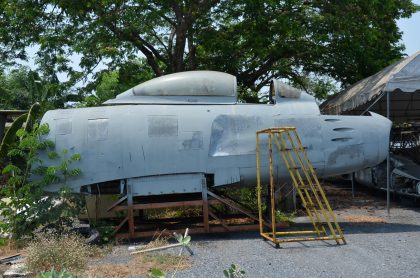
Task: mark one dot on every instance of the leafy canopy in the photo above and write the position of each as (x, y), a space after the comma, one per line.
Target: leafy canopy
(255, 40)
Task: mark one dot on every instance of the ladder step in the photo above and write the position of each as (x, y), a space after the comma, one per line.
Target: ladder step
(297, 149)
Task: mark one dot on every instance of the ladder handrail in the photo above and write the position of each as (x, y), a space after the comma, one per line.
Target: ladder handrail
(312, 183)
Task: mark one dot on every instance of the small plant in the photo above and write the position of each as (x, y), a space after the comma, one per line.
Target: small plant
(184, 240)
(56, 274)
(59, 253)
(170, 259)
(156, 273)
(284, 217)
(234, 271)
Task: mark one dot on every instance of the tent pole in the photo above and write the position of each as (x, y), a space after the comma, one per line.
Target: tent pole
(387, 158)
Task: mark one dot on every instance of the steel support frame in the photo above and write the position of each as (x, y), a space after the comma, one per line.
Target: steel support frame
(208, 199)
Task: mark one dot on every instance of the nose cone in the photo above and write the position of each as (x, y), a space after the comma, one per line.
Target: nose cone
(376, 136)
(352, 143)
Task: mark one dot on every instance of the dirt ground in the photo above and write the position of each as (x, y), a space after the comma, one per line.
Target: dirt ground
(378, 245)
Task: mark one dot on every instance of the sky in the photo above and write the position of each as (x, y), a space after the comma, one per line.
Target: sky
(411, 32)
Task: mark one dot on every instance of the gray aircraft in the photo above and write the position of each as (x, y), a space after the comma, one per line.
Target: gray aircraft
(174, 133)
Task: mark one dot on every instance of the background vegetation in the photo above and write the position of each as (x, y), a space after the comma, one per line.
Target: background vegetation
(317, 45)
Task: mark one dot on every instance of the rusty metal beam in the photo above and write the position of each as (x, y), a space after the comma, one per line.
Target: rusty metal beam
(205, 208)
(195, 203)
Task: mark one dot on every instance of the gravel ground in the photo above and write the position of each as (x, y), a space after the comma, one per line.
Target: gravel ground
(391, 249)
(377, 246)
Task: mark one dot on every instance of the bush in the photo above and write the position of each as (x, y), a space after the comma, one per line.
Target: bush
(68, 253)
(25, 206)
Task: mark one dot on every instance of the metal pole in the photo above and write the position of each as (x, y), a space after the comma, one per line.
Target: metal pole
(352, 185)
(387, 159)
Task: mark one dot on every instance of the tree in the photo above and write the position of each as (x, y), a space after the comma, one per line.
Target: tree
(254, 40)
(22, 87)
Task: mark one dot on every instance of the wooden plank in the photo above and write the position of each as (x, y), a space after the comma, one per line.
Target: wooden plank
(10, 258)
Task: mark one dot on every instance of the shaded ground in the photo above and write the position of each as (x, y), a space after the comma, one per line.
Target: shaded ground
(378, 245)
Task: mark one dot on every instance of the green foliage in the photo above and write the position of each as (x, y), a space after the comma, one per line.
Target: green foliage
(10, 136)
(25, 206)
(22, 87)
(254, 40)
(27, 121)
(106, 232)
(111, 83)
(56, 274)
(246, 196)
(284, 217)
(156, 273)
(185, 241)
(234, 272)
(108, 87)
(60, 253)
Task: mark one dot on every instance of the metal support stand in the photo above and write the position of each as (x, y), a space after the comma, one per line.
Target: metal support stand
(208, 198)
(205, 208)
(130, 210)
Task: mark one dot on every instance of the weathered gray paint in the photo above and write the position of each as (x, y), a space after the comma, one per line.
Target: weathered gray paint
(151, 144)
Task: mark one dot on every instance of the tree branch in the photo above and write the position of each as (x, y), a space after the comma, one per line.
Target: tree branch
(139, 44)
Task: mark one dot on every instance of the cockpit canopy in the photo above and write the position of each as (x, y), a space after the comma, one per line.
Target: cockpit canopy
(200, 87)
(210, 87)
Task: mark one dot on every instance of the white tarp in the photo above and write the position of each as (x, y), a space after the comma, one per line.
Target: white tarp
(401, 77)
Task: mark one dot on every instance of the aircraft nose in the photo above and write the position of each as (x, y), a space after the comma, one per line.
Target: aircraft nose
(352, 143)
(376, 136)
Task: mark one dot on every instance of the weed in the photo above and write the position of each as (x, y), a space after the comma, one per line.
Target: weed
(156, 273)
(234, 271)
(59, 253)
(56, 274)
(284, 217)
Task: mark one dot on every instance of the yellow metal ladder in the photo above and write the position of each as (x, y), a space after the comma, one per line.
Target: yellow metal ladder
(306, 184)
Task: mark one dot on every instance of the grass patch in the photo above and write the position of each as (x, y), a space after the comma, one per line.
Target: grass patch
(69, 253)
